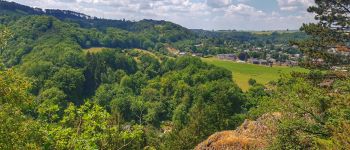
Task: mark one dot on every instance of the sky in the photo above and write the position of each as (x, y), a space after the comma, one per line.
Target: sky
(195, 14)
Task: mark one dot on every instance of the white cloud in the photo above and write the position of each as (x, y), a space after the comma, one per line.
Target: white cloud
(206, 14)
(243, 9)
(294, 5)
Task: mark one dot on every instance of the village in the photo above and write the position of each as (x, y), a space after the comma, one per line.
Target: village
(268, 57)
(256, 55)
(268, 61)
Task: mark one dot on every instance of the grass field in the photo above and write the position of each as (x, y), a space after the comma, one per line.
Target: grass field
(270, 32)
(94, 49)
(243, 72)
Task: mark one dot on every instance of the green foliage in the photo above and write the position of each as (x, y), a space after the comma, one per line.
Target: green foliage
(251, 82)
(70, 81)
(52, 103)
(116, 98)
(17, 130)
(331, 31)
(311, 115)
(89, 127)
(5, 34)
(243, 72)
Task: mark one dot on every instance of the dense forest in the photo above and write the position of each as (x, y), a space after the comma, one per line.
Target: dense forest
(56, 94)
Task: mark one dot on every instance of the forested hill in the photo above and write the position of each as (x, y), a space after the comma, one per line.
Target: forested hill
(147, 34)
(86, 21)
(36, 27)
(17, 10)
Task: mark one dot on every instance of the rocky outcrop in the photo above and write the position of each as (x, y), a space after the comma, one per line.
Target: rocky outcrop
(257, 134)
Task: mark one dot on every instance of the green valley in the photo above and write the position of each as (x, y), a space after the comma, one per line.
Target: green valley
(69, 80)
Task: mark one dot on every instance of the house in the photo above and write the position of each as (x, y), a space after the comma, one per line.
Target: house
(291, 63)
(332, 50)
(271, 60)
(263, 62)
(232, 57)
(294, 63)
(342, 48)
(254, 61)
(338, 68)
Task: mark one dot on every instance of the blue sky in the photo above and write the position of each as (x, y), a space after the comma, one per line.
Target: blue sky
(195, 14)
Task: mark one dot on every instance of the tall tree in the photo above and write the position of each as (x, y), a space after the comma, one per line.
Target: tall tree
(331, 31)
(5, 34)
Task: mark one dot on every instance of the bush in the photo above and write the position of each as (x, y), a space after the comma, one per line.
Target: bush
(252, 82)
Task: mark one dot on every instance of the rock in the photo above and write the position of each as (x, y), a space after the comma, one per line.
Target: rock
(257, 134)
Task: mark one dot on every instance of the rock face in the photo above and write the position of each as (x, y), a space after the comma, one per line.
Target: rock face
(257, 134)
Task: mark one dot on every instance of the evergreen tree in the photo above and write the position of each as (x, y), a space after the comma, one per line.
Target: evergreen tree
(331, 31)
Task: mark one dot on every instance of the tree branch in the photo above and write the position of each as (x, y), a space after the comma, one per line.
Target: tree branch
(126, 144)
(341, 5)
(312, 114)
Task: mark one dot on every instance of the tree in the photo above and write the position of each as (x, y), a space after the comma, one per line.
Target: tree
(70, 81)
(138, 106)
(17, 130)
(251, 82)
(331, 31)
(312, 117)
(52, 103)
(74, 59)
(243, 56)
(89, 127)
(5, 34)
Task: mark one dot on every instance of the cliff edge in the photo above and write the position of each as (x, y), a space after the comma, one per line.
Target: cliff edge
(257, 134)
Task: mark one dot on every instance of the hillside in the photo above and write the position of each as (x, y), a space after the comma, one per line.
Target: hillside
(69, 83)
(17, 10)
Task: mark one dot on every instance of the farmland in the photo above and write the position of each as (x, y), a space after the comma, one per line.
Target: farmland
(243, 72)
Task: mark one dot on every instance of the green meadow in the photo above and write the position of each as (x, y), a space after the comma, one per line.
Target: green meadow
(243, 72)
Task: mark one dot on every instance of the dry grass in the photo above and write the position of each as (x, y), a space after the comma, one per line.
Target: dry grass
(173, 50)
(250, 135)
(94, 49)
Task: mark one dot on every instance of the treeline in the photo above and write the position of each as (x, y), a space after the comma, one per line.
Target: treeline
(34, 32)
(223, 42)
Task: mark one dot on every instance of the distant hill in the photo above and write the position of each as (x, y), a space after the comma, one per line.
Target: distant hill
(17, 10)
(250, 35)
(34, 26)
